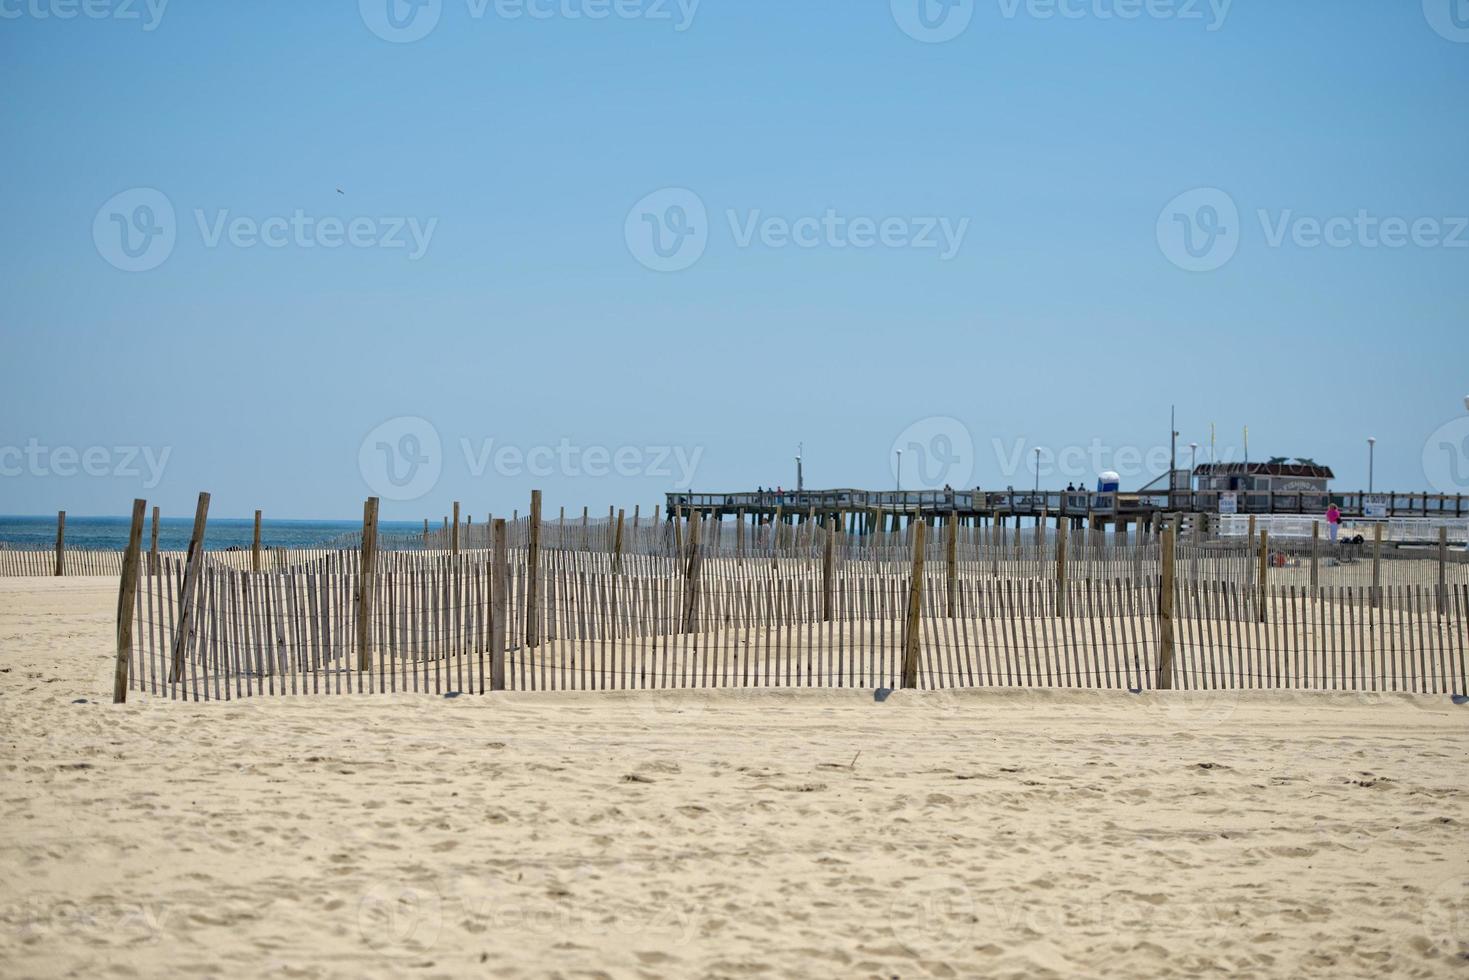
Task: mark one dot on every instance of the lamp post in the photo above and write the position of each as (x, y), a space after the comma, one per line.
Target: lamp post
(1371, 452)
(1172, 452)
(1037, 475)
(900, 471)
(1193, 464)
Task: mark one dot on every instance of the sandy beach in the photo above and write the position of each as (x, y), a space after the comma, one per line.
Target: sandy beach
(719, 834)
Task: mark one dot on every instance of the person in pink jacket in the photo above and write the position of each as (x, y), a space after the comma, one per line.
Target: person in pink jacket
(1333, 521)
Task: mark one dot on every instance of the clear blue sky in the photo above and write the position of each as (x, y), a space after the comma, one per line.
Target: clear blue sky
(1065, 317)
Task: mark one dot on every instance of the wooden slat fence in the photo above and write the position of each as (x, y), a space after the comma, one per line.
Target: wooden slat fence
(1087, 617)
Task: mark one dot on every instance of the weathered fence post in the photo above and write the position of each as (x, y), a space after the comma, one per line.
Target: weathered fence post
(366, 583)
(951, 563)
(193, 565)
(913, 627)
(533, 573)
(454, 531)
(691, 580)
(1315, 559)
(61, 542)
(255, 545)
(775, 538)
(617, 545)
(127, 594)
(828, 570)
(1062, 531)
(1250, 543)
(997, 540)
(1443, 557)
(1377, 566)
(1164, 680)
(500, 594)
(153, 546)
(1264, 570)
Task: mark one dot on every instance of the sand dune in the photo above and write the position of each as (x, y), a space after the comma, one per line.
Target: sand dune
(762, 833)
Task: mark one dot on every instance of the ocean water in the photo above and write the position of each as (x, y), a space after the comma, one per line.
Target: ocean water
(111, 533)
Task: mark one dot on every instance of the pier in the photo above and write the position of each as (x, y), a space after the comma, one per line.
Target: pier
(865, 511)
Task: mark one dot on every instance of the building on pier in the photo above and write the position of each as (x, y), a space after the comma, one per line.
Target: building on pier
(1278, 475)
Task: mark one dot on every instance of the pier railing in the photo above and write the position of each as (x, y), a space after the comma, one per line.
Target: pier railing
(1010, 501)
